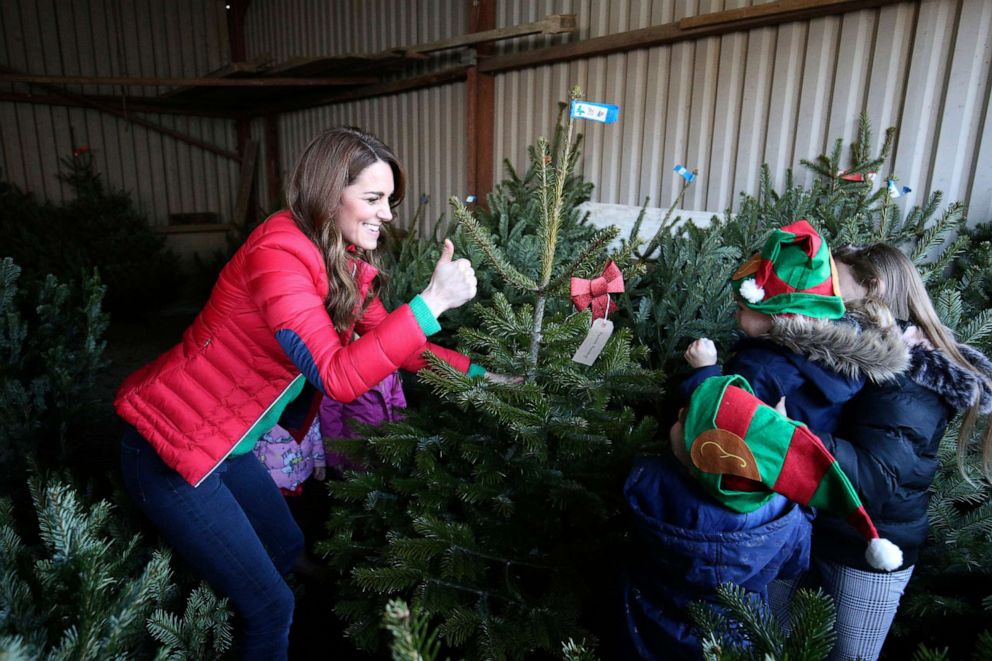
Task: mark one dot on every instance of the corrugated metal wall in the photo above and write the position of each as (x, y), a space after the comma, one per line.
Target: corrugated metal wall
(166, 38)
(721, 104)
(775, 95)
(426, 128)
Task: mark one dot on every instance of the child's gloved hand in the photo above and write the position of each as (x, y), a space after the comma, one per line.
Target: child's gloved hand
(701, 353)
(319, 473)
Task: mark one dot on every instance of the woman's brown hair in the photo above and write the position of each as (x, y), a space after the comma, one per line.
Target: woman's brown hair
(331, 162)
(888, 275)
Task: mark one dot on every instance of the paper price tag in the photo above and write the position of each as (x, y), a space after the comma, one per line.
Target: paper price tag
(607, 113)
(592, 346)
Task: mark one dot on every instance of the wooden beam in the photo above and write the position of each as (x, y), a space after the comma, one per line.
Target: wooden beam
(454, 74)
(481, 109)
(244, 212)
(273, 175)
(236, 10)
(551, 24)
(188, 82)
(716, 23)
(112, 110)
(129, 103)
(757, 11)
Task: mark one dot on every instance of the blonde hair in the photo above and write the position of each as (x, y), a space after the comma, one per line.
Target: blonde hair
(888, 275)
(330, 163)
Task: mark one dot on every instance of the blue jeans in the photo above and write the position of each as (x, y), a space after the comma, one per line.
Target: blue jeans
(235, 530)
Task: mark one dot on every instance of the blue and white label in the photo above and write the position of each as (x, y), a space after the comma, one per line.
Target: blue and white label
(895, 191)
(684, 172)
(597, 112)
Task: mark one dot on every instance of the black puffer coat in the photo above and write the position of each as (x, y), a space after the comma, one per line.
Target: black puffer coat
(887, 444)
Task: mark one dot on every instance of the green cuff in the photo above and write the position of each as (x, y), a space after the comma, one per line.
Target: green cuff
(424, 316)
(476, 370)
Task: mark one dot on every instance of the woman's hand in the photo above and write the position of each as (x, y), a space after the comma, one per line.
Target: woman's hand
(701, 353)
(452, 284)
(319, 473)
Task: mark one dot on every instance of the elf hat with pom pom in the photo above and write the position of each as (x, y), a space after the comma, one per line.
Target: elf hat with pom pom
(743, 450)
(793, 274)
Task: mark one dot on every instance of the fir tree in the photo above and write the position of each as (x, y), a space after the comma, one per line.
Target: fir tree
(51, 347)
(495, 508)
(100, 228)
(744, 627)
(84, 591)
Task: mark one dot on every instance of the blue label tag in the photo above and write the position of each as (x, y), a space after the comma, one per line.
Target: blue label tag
(895, 191)
(597, 112)
(684, 172)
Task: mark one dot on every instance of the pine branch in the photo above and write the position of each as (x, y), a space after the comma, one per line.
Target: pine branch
(495, 256)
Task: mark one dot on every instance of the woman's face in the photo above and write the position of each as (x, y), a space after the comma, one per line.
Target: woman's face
(365, 206)
(754, 324)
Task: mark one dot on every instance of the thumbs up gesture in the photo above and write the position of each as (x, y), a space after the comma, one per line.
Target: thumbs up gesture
(452, 284)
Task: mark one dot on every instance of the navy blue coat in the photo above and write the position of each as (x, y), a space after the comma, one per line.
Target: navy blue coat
(887, 445)
(817, 365)
(814, 393)
(687, 544)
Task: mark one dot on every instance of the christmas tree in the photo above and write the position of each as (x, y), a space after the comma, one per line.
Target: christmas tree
(684, 294)
(495, 508)
(88, 590)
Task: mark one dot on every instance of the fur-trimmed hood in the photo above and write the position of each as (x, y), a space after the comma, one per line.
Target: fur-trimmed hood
(849, 346)
(935, 371)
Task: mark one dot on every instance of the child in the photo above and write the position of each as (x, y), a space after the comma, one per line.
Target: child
(798, 343)
(738, 521)
(383, 403)
(291, 459)
(888, 442)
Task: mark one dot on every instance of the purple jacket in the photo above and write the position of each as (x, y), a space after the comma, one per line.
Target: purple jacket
(383, 403)
(288, 462)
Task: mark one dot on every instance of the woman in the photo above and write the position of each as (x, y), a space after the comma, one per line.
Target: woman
(282, 314)
(887, 445)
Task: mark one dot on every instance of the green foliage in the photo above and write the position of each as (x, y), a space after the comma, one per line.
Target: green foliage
(85, 591)
(685, 292)
(413, 639)
(493, 508)
(744, 628)
(203, 632)
(99, 228)
(51, 348)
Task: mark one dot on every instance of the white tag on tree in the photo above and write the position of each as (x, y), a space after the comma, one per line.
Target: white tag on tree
(592, 346)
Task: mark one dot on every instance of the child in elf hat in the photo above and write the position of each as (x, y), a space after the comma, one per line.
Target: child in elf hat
(800, 342)
(733, 516)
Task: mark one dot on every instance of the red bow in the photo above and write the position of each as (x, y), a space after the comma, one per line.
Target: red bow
(597, 291)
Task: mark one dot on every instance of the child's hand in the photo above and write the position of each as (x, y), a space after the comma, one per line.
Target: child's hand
(701, 353)
(319, 473)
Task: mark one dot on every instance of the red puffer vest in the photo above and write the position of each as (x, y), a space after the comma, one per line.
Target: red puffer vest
(195, 402)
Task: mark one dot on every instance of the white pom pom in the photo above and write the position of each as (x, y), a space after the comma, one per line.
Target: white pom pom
(751, 292)
(883, 554)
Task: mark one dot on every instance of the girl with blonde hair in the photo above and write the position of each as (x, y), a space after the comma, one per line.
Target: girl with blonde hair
(887, 443)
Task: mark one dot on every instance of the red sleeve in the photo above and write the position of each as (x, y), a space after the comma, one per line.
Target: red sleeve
(375, 313)
(286, 293)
